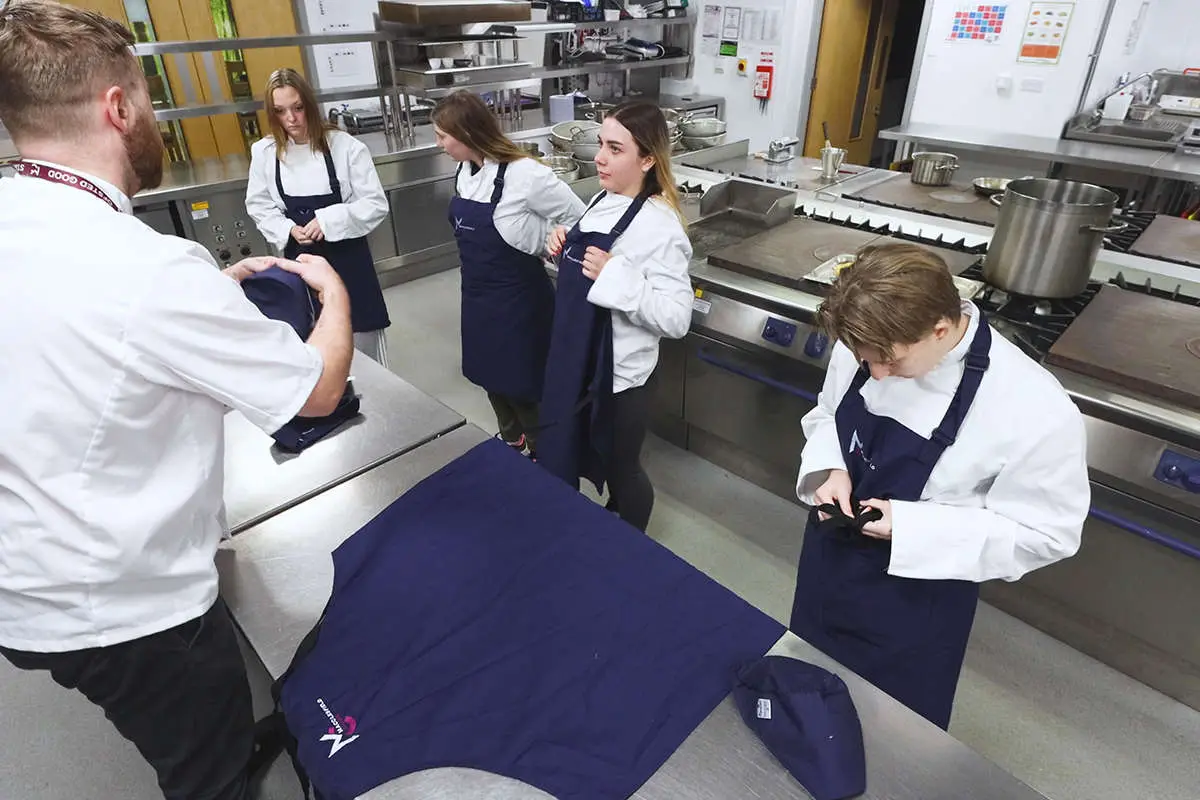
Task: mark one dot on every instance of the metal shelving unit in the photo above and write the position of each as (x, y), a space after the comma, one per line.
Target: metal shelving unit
(402, 70)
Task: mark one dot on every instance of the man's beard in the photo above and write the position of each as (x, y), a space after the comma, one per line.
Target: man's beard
(144, 148)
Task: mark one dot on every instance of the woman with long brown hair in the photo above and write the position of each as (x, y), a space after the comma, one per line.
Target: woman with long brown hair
(314, 189)
(622, 286)
(505, 205)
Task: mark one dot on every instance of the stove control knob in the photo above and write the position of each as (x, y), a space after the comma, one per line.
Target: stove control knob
(779, 332)
(1172, 472)
(816, 345)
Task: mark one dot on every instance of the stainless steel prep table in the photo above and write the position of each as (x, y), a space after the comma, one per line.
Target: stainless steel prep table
(277, 577)
(261, 480)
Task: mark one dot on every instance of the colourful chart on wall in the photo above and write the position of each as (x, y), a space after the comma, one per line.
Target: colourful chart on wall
(1045, 32)
(978, 23)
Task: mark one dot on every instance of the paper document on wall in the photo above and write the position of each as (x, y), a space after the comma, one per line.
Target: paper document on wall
(712, 21)
(1045, 32)
(731, 28)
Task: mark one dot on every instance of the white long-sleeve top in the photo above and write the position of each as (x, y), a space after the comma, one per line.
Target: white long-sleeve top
(534, 201)
(1009, 496)
(364, 204)
(645, 284)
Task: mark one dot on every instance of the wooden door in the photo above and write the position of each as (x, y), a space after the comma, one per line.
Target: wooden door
(113, 9)
(852, 56)
(267, 18)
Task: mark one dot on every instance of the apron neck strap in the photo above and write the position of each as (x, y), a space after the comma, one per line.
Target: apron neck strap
(499, 183)
(977, 363)
(334, 187)
(630, 213)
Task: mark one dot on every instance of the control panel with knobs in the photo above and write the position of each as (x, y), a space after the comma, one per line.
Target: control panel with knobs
(1179, 470)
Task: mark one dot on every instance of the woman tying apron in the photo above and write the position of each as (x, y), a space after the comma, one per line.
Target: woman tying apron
(622, 285)
(314, 189)
(504, 206)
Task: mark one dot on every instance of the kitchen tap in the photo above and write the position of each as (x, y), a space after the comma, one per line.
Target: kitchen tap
(781, 150)
(1097, 112)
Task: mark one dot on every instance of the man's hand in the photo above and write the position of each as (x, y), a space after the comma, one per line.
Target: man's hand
(316, 272)
(248, 266)
(880, 529)
(836, 489)
(594, 261)
(555, 241)
(313, 231)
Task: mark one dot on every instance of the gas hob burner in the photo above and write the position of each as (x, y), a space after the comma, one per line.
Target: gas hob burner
(1148, 288)
(1138, 222)
(884, 229)
(829, 219)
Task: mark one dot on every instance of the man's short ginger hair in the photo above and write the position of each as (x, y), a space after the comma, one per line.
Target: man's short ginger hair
(54, 60)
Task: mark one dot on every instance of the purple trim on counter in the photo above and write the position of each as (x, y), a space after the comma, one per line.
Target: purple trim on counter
(757, 378)
(1146, 533)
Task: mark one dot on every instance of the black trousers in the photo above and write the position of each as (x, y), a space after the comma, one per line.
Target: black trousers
(516, 418)
(631, 494)
(180, 696)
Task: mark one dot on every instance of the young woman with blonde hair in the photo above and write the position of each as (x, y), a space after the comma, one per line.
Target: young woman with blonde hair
(314, 189)
(505, 205)
(622, 286)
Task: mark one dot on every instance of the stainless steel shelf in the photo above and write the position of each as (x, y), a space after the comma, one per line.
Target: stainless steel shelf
(237, 107)
(566, 27)
(611, 66)
(251, 43)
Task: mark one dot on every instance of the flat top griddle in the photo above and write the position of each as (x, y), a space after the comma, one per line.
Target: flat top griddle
(951, 202)
(1171, 239)
(1136, 341)
(784, 255)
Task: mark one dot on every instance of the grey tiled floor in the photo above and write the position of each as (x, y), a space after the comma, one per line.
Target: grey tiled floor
(1062, 722)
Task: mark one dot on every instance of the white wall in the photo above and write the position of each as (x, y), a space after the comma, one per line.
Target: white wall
(1169, 39)
(793, 63)
(957, 84)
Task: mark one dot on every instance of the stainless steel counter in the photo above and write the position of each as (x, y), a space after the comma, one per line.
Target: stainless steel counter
(277, 577)
(261, 481)
(230, 173)
(1108, 156)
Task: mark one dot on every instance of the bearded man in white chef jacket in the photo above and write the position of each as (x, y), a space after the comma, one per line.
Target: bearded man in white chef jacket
(122, 349)
(938, 456)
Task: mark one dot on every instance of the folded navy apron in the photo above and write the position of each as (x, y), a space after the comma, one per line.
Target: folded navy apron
(492, 618)
(284, 296)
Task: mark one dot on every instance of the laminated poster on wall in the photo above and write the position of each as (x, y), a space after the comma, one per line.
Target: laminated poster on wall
(1045, 33)
(711, 28)
(762, 25)
(979, 23)
(731, 26)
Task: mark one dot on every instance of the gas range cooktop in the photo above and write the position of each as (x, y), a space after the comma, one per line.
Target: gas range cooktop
(1032, 324)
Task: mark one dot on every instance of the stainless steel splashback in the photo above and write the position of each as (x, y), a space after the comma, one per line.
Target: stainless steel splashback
(764, 205)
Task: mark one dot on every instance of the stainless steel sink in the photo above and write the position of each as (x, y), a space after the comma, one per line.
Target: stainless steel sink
(1137, 132)
(1161, 132)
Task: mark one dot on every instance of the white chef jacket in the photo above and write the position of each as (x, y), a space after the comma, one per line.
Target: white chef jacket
(534, 201)
(122, 349)
(303, 172)
(1009, 496)
(645, 284)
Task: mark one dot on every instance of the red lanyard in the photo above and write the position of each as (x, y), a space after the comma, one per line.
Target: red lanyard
(57, 175)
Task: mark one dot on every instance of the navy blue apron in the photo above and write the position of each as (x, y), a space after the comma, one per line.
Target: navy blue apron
(494, 619)
(351, 258)
(577, 403)
(507, 303)
(906, 636)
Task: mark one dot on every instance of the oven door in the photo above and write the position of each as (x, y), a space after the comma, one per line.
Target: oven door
(743, 408)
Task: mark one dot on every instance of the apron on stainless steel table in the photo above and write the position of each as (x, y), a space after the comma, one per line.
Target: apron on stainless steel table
(350, 258)
(492, 618)
(577, 409)
(507, 303)
(907, 636)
